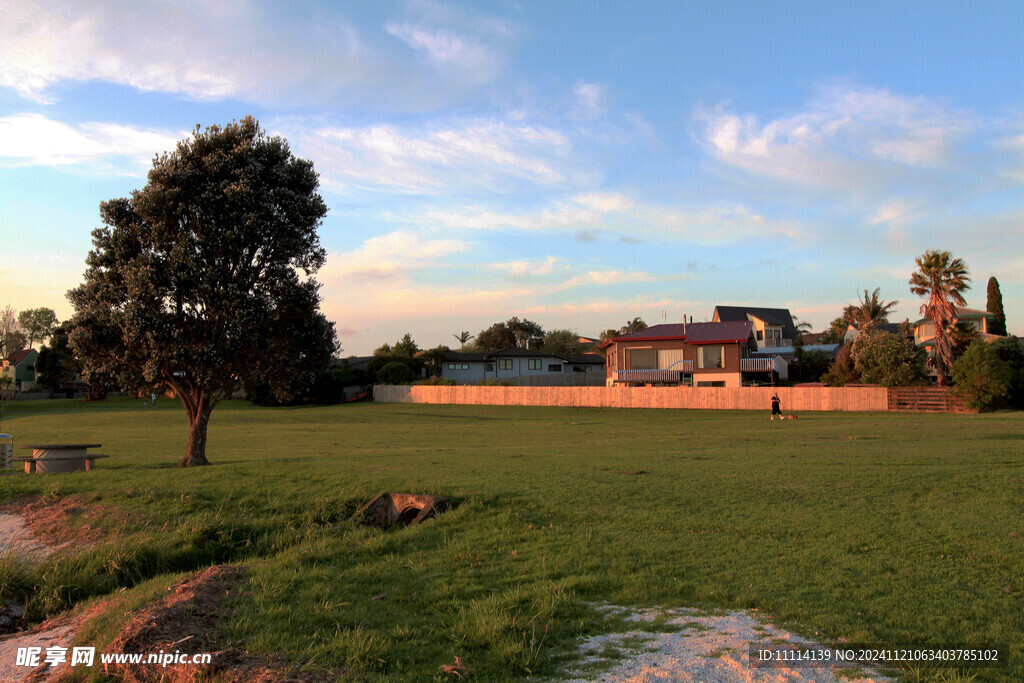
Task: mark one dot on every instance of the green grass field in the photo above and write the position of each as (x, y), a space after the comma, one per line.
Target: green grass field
(878, 528)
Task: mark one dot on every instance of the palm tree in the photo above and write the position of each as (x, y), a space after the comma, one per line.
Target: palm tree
(634, 325)
(942, 279)
(869, 310)
(463, 337)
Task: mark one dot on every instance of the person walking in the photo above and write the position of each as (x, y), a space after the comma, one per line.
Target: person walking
(776, 407)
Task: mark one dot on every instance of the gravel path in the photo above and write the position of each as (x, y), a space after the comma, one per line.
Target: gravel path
(16, 537)
(706, 648)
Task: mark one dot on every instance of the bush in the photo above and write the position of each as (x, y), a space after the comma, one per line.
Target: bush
(979, 377)
(1011, 353)
(496, 383)
(887, 359)
(437, 381)
(843, 370)
(809, 366)
(396, 372)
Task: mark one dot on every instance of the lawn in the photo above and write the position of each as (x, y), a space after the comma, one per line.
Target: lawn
(864, 527)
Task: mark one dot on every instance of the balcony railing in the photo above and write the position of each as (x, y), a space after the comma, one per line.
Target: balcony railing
(772, 343)
(756, 364)
(662, 376)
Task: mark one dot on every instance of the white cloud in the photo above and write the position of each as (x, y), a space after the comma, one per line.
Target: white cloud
(849, 138)
(524, 268)
(591, 98)
(616, 212)
(480, 154)
(35, 140)
(388, 257)
(579, 211)
(237, 48)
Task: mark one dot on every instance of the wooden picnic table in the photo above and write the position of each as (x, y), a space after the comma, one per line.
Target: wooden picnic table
(59, 457)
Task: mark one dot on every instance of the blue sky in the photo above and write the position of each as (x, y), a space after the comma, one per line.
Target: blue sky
(575, 163)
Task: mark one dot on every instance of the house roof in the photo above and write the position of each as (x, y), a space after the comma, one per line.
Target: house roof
(516, 351)
(19, 355)
(584, 358)
(962, 313)
(513, 352)
(461, 357)
(772, 316)
(715, 333)
(891, 328)
(831, 349)
(692, 333)
(653, 333)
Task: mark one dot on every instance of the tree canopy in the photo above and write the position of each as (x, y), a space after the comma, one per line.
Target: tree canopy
(203, 279)
(994, 305)
(869, 310)
(37, 324)
(12, 337)
(516, 332)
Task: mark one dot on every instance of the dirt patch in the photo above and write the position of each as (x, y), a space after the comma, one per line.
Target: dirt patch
(16, 538)
(179, 622)
(61, 523)
(702, 647)
(56, 632)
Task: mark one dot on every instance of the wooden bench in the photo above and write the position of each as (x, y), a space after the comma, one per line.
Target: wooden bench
(30, 463)
(59, 457)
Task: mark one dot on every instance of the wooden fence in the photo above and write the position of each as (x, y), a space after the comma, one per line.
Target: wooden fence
(926, 400)
(794, 399)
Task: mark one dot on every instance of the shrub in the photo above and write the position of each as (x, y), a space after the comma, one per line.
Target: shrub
(843, 370)
(496, 383)
(979, 377)
(887, 359)
(1011, 353)
(437, 381)
(396, 372)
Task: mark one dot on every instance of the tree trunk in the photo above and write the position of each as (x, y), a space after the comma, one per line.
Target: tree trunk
(198, 420)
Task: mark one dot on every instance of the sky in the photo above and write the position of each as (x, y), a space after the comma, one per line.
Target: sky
(577, 163)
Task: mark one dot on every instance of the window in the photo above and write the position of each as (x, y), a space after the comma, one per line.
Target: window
(504, 363)
(554, 367)
(643, 359)
(710, 384)
(533, 364)
(710, 357)
(489, 367)
(760, 335)
(458, 366)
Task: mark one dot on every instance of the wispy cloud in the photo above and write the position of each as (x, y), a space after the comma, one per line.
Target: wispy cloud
(35, 140)
(388, 258)
(849, 138)
(467, 155)
(315, 55)
(589, 214)
(578, 211)
(591, 98)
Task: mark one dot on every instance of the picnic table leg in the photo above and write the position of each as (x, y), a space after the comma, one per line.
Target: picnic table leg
(30, 467)
(88, 464)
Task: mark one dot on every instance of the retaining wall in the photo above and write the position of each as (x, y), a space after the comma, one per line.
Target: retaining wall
(793, 399)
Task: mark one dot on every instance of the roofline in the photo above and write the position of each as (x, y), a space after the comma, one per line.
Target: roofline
(628, 337)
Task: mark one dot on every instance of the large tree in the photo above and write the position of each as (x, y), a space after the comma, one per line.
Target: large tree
(994, 305)
(37, 323)
(869, 310)
(943, 280)
(12, 337)
(516, 332)
(203, 279)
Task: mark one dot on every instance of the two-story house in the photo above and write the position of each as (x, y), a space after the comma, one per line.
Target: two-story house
(771, 326)
(715, 354)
